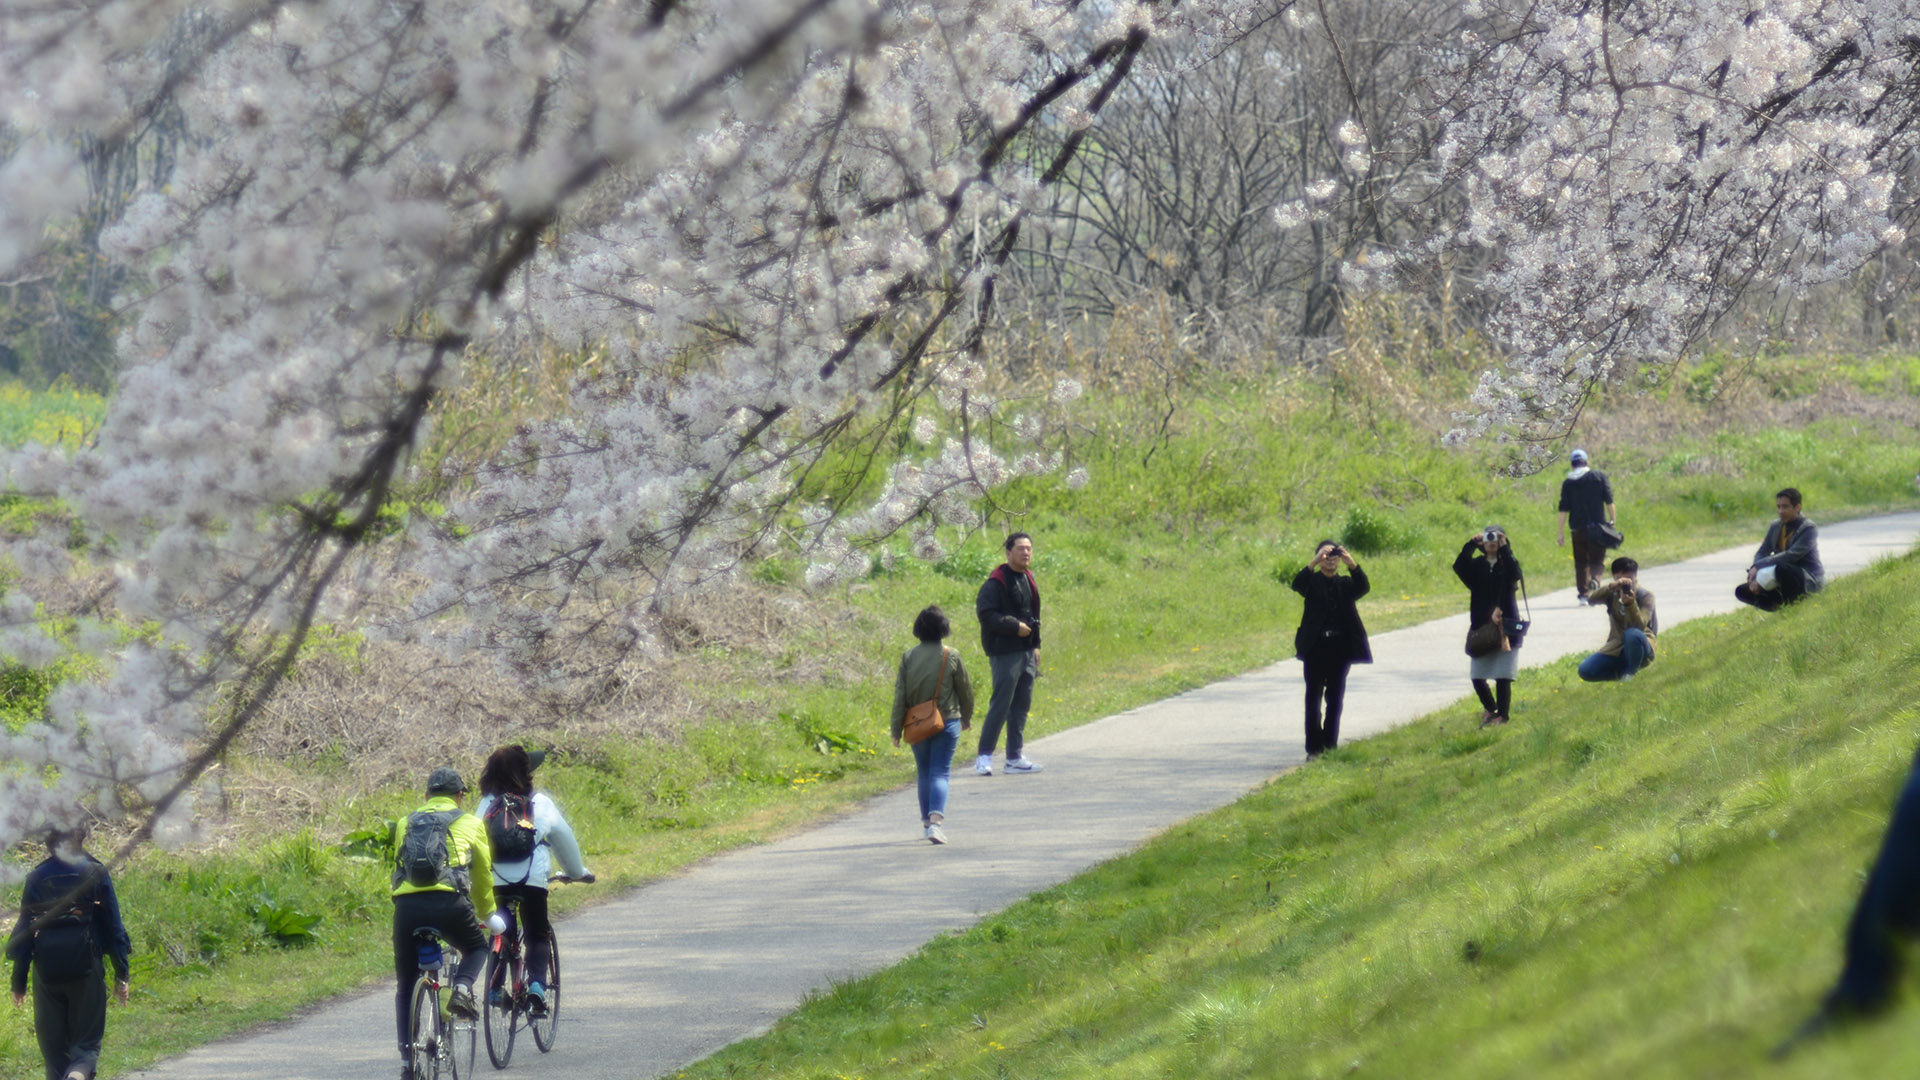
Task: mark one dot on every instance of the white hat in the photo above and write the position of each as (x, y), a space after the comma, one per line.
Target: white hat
(1579, 457)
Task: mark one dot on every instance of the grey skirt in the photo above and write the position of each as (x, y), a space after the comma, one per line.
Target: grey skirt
(1495, 665)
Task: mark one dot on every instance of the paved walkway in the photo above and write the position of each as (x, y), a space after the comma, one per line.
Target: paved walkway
(685, 966)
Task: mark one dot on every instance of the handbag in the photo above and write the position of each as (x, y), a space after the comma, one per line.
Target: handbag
(924, 721)
(1484, 640)
(1605, 536)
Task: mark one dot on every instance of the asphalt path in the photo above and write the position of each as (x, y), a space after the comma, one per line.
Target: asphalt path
(675, 970)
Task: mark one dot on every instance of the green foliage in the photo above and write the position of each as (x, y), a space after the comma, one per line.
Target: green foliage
(373, 843)
(61, 416)
(285, 925)
(823, 737)
(1370, 532)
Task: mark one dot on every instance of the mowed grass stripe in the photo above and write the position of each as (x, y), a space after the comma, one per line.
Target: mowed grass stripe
(1644, 879)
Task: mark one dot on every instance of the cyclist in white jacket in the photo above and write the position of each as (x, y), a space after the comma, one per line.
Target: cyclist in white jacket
(508, 778)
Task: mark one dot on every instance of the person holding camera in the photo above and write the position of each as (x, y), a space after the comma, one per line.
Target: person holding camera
(1635, 625)
(1487, 567)
(1009, 610)
(1331, 638)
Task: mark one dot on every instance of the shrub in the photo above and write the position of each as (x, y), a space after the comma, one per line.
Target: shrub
(1370, 532)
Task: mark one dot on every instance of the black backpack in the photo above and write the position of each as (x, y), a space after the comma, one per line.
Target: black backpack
(64, 947)
(510, 827)
(422, 859)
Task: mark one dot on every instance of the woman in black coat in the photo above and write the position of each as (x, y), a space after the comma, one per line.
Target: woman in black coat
(1330, 638)
(1487, 567)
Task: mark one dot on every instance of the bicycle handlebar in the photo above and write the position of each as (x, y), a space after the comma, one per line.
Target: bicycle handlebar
(562, 879)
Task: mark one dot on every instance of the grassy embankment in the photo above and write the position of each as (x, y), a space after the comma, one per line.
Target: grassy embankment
(1160, 576)
(1645, 879)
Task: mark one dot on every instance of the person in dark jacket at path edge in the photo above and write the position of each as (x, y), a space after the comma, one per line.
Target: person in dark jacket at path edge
(65, 953)
(1009, 610)
(1786, 566)
(1330, 639)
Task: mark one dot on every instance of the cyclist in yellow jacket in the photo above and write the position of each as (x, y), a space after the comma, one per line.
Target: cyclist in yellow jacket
(443, 876)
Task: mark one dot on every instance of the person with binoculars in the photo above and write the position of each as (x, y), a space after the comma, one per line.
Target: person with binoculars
(1330, 640)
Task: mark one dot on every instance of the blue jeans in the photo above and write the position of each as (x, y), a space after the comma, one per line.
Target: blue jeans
(1634, 654)
(1012, 696)
(933, 760)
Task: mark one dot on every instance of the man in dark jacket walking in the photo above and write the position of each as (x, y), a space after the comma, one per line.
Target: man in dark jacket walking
(1786, 566)
(1009, 610)
(69, 922)
(1586, 498)
(1331, 638)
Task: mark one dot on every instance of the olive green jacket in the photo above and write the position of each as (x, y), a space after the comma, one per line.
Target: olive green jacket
(919, 667)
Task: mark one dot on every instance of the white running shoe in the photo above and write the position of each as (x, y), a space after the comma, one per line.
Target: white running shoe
(983, 765)
(936, 834)
(1021, 764)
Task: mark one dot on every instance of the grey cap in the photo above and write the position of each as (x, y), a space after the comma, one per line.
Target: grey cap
(1579, 457)
(445, 781)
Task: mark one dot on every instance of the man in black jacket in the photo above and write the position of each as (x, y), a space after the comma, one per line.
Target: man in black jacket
(1586, 498)
(1009, 610)
(1786, 566)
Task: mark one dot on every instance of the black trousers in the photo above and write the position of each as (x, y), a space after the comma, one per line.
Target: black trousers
(450, 913)
(1888, 914)
(1793, 585)
(1326, 671)
(533, 917)
(1498, 701)
(1589, 560)
(69, 1020)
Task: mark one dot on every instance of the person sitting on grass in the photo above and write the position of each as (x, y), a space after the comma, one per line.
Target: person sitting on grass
(1787, 564)
(1634, 625)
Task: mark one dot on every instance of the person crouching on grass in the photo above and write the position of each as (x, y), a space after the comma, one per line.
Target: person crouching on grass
(1330, 639)
(1630, 642)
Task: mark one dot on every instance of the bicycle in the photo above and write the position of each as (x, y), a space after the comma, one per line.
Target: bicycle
(440, 1045)
(508, 1006)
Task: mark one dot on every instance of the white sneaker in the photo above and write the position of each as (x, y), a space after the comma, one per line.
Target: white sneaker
(1021, 764)
(983, 765)
(936, 834)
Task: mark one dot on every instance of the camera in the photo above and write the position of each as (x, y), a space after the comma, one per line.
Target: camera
(1492, 534)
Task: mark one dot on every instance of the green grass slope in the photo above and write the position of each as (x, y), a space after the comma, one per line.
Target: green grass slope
(1646, 879)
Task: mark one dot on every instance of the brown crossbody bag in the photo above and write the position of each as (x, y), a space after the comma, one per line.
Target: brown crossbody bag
(924, 721)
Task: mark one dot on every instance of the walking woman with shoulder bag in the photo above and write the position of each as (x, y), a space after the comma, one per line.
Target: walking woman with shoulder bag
(932, 705)
(1486, 565)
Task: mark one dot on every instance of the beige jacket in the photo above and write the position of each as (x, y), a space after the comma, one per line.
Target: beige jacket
(1626, 610)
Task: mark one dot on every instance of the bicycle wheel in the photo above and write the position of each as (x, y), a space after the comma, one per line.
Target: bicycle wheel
(500, 1015)
(463, 1045)
(546, 1028)
(423, 1042)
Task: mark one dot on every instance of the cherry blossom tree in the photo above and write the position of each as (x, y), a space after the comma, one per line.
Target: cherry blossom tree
(1637, 167)
(784, 219)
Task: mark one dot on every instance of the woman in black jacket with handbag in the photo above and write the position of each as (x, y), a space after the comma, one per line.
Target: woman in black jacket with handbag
(1487, 567)
(1330, 639)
